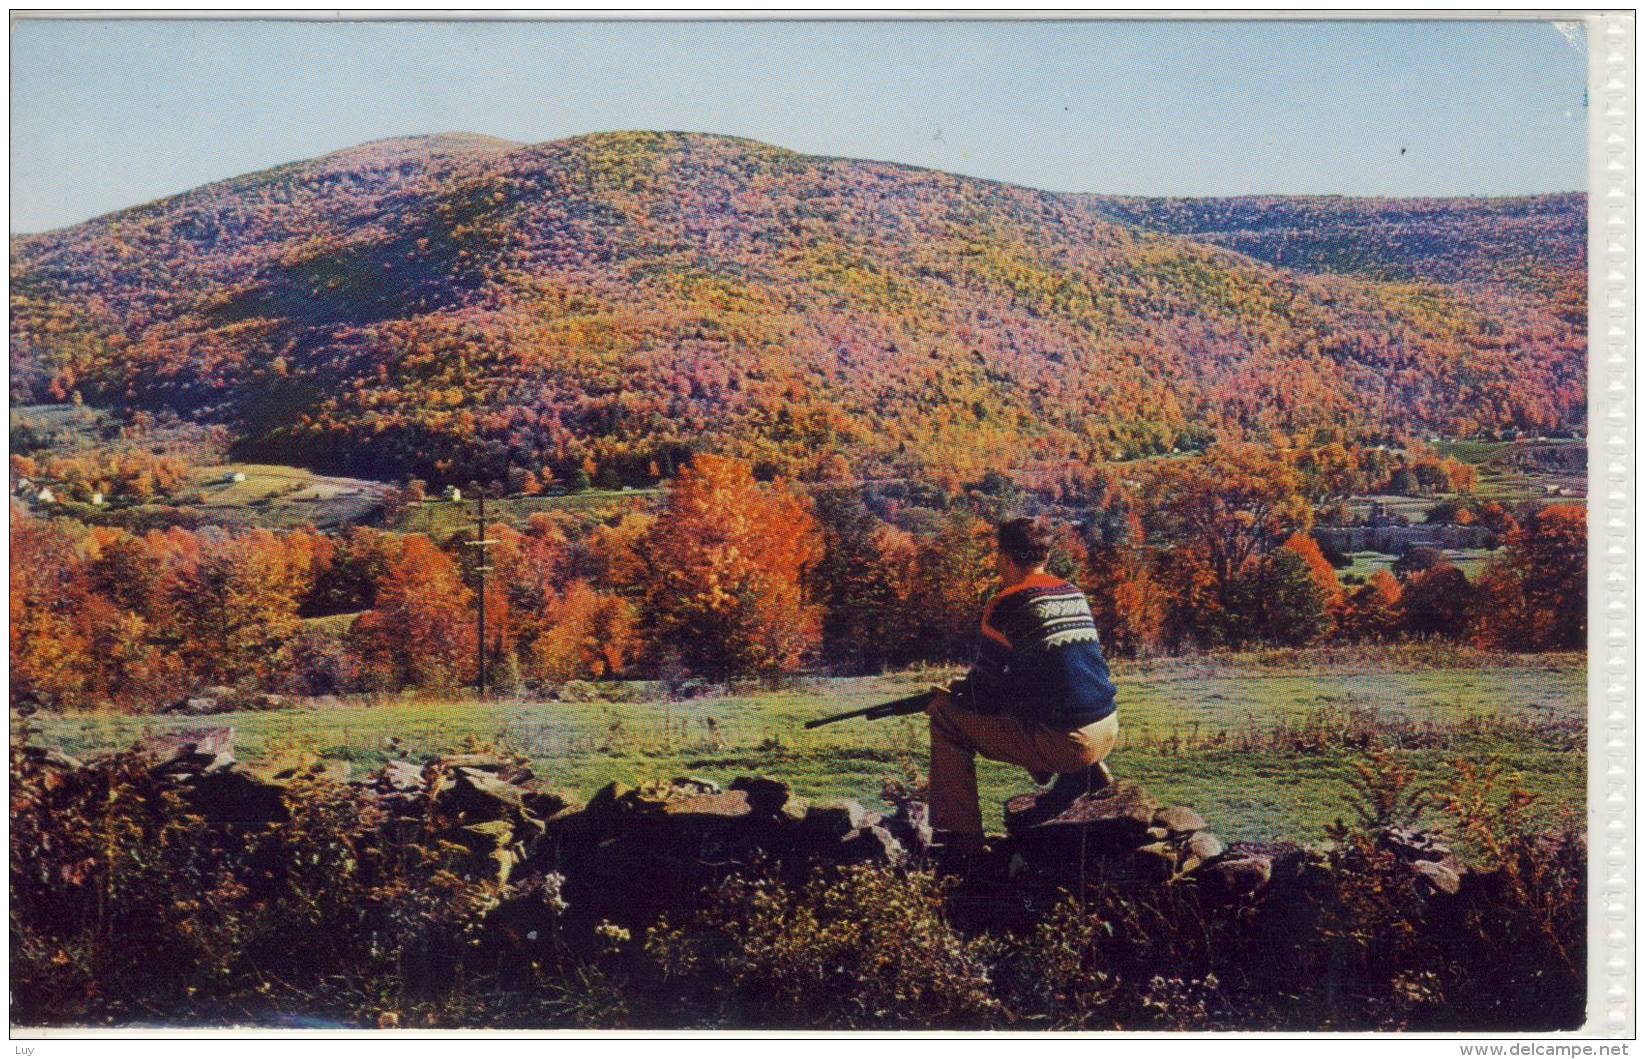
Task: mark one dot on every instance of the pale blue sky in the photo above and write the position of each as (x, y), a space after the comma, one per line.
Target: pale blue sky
(108, 114)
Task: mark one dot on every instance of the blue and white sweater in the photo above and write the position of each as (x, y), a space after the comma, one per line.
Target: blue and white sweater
(1038, 659)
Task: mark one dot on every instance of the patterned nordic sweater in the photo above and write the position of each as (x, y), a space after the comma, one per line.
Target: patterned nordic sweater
(1038, 658)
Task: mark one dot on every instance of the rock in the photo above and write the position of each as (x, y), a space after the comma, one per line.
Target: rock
(1158, 834)
(269, 701)
(1236, 874)
(1434, 877)
(870, 845)
(230, 796)
(1114, 819)
(765, 796)
(1410, 845)
(489, 834)
(545, 805)
(401, 776)
(910, 825)
(161, 752)
(1152, 863)
(494, 844)
(1203, 845)
(652, 799)
(611, 798)
(732, 804)
(695, 785)
(835, 818)
(52, 758)
(483, 762)
(1179, 820)
(471, 790)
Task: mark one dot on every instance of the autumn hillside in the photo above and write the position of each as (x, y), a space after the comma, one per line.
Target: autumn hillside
(1536, 243)
(459, 307)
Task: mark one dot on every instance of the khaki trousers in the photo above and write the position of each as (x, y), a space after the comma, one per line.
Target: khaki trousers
(958, 735)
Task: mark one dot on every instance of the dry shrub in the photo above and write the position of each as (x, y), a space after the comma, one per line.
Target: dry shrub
(864, 946)
(127, 904)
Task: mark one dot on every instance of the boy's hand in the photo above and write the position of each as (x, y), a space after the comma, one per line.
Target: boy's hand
(940, 696)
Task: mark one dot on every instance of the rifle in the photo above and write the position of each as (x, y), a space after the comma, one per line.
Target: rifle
(894, 708)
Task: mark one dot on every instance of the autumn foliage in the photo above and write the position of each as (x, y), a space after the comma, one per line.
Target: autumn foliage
(734, 576)
(587, 311)
(729, 563)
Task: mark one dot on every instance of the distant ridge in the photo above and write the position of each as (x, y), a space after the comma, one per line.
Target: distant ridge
(458, 306)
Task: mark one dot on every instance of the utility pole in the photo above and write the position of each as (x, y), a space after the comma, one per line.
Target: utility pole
(481, 568)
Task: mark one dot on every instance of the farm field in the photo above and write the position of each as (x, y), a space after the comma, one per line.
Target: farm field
(278, 496)
(1265, 748)
(439, 517)
(1471, 561)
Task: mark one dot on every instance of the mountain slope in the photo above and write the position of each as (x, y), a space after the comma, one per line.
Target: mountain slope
(1536, 242)
(460, 306)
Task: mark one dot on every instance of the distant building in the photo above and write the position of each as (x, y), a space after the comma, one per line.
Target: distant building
(452, 493)
(1380, 515)
(1394, 539)
(46, 496)
(97, 500)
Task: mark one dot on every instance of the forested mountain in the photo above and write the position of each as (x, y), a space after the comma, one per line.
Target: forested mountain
(459, 306)
(1536, 243)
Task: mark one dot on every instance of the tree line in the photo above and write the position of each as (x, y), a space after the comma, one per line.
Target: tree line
(734, 576)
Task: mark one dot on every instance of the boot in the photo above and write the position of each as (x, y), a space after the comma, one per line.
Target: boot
(1071, 786)
(956, 853)
(1065, 790)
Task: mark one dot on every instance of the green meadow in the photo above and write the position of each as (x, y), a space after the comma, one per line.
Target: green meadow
(1263, 746)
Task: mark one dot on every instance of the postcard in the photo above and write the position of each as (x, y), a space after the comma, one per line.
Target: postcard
(773, 524)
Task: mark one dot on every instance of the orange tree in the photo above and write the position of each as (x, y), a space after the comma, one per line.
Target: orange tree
(421, 633)
(1228, 510)
(952, 576)
(1536, 597)
(586, 635)
(858, 583)
(1235, 504)
(729, 564)
(1373, 611)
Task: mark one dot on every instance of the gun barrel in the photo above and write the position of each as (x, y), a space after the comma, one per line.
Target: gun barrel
(846, 716)
(895, 708)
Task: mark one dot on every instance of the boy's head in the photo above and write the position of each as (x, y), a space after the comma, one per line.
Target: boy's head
(1024, 545)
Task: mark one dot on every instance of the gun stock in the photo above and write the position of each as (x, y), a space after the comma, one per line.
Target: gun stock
(895, 708)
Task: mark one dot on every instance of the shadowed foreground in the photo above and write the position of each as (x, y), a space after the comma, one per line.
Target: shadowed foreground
(462, 891)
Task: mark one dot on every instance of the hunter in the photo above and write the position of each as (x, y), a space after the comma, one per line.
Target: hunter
(1039, 694)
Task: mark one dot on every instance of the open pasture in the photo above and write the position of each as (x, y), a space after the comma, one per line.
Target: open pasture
(278, 496)
(1266, 748)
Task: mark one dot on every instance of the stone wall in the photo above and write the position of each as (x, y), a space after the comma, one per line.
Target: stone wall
(631, 854)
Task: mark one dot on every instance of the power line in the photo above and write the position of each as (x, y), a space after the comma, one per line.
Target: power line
(481, 568)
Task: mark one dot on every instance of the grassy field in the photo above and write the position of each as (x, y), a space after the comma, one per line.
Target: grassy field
(284, 497)
(1470, 561)
(1263, 750)
(440, 517)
